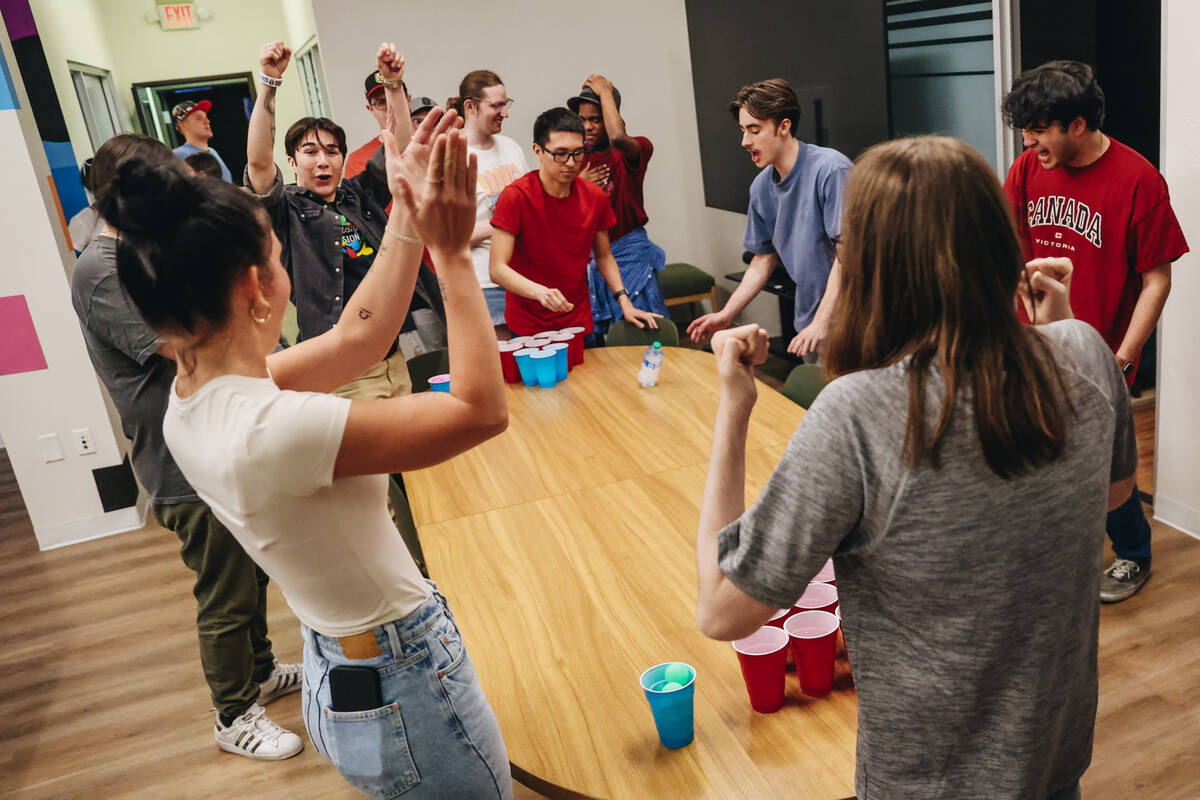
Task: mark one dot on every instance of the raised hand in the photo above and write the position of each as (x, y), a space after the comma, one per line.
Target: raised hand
(1044, 287)
(413, 163)
(598, 84)
(738, 351)
(390, 62)
(273, 58)
(444, 211)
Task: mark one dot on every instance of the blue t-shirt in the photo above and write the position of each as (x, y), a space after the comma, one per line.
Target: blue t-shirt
(798, 218)
(184, 150)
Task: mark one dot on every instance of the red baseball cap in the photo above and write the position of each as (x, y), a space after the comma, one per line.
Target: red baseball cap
(179, 113)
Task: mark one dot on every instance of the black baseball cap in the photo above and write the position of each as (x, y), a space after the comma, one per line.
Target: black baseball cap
(588, 95)
(374, 83)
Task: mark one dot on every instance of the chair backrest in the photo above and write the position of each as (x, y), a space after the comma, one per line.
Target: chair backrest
(803, 384)
(423, 367)
(626, 333)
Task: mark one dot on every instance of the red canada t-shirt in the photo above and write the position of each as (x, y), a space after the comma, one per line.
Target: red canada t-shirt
(624, 187)
(554, 241)
(1112, 218)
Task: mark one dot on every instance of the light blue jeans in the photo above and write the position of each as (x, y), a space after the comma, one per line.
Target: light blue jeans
(434, 737)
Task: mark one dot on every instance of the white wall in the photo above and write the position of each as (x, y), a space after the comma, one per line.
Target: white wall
(544, 51)
(61, 497)
(1177, 449)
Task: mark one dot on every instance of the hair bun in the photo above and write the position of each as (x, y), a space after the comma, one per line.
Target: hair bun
(149, 197)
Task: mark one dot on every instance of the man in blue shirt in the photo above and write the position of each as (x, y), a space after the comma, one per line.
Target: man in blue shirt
(191, 120)
(795, 215)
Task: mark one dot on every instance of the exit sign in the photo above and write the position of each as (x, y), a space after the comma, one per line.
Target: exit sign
(178, 16)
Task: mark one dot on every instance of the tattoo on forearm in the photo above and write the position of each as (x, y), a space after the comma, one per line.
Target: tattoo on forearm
(364, 313)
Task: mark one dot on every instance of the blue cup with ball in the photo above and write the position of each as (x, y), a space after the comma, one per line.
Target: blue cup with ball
(670, 689)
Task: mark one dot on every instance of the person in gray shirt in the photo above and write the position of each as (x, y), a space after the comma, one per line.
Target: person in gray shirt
(137, 369)
(958, 470)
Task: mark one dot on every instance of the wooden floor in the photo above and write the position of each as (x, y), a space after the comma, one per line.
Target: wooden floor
(101, 694)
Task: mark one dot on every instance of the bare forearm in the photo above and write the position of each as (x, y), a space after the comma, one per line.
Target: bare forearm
(474, 368)
(829, 299)
(1156, 286)
(754, 279)
(723, 502)
(374, 314)
(401, 127)
(260, 141)
(508, 278)
(481, 233)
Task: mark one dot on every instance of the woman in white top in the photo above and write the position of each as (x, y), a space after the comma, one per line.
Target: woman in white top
(483, 104)
(300, 476)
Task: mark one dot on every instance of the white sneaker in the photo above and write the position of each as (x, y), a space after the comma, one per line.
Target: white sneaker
(254, 735)
(284, 679)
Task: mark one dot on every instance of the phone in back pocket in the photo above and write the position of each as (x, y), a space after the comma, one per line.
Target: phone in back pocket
(354, 688)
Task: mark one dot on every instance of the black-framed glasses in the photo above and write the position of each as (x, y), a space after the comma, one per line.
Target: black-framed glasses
(563, 156)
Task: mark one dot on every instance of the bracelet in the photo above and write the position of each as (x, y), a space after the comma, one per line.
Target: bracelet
(404, 237)
(393, 84)
(267, 80)
(617, 295)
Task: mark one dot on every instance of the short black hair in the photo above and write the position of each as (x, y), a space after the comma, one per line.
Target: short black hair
(1055, 92)
(555, 119)
(306, 125)
(205, 164)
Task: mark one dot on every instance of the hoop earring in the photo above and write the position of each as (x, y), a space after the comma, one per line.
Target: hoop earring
(261, 320)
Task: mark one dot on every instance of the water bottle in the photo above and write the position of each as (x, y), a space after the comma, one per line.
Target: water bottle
(651, 364)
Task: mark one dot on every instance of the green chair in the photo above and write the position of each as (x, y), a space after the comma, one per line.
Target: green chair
(803, 385)
(683, 283)
(423, 367)
(626, 333)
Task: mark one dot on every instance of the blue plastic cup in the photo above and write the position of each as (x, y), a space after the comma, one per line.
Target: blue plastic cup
(440, 383)
(528, 375)
(545, 367)
(672, 707)
(560, 358)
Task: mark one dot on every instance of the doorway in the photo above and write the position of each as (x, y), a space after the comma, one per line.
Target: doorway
(232, 98)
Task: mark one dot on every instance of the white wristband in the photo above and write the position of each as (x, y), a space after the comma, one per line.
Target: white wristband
(266, 79)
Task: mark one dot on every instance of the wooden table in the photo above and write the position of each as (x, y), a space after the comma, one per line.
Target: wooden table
(566, 547)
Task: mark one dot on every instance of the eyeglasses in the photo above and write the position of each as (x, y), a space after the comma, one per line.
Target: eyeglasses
(563, 156)
(500, 106)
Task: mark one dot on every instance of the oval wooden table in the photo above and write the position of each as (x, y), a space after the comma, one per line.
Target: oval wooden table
(566, 547)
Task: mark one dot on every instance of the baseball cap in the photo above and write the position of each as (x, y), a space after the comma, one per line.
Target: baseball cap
(180, 111)
(374, 83)
(588, 95)
(420, 104)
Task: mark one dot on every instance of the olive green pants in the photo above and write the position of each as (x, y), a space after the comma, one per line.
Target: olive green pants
(231, 606)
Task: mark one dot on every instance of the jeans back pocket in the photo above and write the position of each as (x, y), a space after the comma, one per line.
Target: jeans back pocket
(371, 750)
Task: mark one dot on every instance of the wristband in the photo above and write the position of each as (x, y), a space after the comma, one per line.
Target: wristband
(267, 80)
(619, 293)
(404, 237)
(394, 84)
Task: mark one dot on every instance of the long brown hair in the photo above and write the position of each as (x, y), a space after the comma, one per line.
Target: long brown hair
(930, 262)
(471, 88)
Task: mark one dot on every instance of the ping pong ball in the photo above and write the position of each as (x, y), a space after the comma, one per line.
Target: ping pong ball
(677, 673)
(670, 687)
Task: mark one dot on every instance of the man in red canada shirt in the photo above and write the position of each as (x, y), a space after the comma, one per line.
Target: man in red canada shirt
(616, 162)
(1079, 193)
(547, 223)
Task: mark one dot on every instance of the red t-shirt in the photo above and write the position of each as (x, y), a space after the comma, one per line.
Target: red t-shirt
(1112, 218)
(554, 241)
(356, 162)
(624, 187)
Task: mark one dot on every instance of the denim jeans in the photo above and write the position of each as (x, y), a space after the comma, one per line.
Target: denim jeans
(494, 296)
(1128, 529)
(434, 737)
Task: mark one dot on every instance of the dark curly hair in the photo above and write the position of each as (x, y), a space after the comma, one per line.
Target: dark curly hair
(1055, 92)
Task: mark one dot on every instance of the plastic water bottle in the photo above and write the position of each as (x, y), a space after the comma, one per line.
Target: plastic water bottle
(651, 364)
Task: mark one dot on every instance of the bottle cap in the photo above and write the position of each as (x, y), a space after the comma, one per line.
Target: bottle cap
(657, 345)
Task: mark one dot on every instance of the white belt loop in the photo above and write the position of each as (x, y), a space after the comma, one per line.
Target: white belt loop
(394, 640)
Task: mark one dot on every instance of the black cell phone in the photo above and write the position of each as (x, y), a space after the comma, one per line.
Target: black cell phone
(354, 689)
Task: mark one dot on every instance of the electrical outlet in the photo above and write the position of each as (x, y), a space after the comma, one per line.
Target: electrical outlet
(83, 441)
(49, 447)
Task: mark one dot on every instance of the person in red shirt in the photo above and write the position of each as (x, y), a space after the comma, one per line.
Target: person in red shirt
(546, 225)
(616, 162)
(1079, 193)
(356, 162)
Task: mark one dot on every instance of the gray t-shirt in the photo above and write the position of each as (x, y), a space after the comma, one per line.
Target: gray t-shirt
(122, 348)
(970, 603)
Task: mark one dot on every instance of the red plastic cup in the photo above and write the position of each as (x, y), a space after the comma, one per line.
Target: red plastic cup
(763, 655)
(524, 341)
(826, 575)
(814, 646)
(575, 353)
(818, 597)
(780, 617)
(507, 363)
(558, 337)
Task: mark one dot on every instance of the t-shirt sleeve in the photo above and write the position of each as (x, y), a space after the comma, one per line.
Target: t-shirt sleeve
(1014, 190)
(809, 505)
(645, 150)
(507, 215)
(112, 317)
(295, 440)
(1155, 237)
(757, 238)
(833, 191)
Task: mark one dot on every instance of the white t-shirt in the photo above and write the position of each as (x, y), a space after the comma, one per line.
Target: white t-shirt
(499, 166)
(262, 459)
